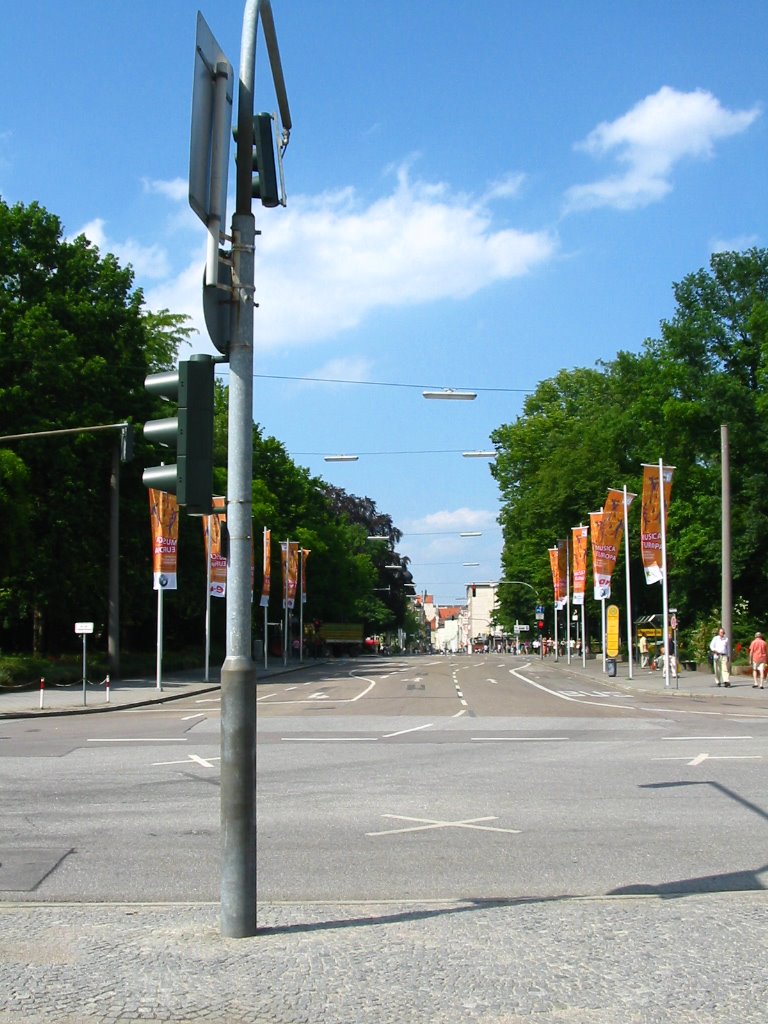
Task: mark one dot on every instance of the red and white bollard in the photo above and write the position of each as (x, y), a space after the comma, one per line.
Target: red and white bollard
(42, 691)
(106, 683)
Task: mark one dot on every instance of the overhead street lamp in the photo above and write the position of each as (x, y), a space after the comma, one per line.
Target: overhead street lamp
(341, 458)
(448, 394)
(479, 455)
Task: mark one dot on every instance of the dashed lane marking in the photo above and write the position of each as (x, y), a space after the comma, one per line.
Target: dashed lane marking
(521, 739)
(140, 739)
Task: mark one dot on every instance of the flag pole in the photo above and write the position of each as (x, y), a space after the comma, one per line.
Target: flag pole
(568, 600)
(664, 589)
(208, 548)
(629, 591)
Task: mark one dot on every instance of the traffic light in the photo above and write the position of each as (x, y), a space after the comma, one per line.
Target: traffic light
(265, 185)
(190, 432)
(474, 590)
(541, 625)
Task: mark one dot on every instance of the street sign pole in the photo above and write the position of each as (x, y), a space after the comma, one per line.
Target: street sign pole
(83, 629)
(238, 675)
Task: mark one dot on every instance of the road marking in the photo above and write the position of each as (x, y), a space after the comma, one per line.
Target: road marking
(328, 739)
(459, 713)
(521, 739)
(202, 761)
(430, 823)
(264, 696)
(188, 718)
(208, 700)
(700, 758)
(402, 732)
(564, 696)
(491, 681)
(684, 711)
(707, 737)
(142, 739)
(315, 696)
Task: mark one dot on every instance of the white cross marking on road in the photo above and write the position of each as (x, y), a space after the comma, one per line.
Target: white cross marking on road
(202, 761)
(430, 823)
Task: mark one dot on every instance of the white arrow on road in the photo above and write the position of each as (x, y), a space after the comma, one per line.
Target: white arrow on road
(194, 758)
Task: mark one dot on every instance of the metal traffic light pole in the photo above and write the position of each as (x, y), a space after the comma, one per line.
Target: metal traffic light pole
(238, 674)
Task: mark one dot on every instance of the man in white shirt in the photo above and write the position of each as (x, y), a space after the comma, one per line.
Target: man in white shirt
(720, 656)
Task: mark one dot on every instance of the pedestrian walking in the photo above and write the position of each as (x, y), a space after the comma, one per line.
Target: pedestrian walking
(758, 656)
(720, 650)
(643, 645)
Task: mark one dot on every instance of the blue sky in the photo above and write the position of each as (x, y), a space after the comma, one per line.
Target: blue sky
(479, 195)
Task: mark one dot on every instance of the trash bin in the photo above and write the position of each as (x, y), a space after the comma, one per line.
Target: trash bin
(610, 665)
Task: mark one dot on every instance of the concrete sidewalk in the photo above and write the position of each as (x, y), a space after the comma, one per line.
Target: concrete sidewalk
(129, 692)
(698, 683)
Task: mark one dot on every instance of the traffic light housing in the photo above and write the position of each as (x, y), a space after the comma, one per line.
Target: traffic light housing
(190, 432)
(265, 185)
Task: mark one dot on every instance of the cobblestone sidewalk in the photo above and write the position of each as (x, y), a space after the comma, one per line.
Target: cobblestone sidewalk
(625, 960)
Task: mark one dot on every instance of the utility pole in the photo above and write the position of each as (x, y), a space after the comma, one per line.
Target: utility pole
(228, 305)
(726, 595)
(238, 673)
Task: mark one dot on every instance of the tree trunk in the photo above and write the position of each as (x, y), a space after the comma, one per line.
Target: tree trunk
(37, 631)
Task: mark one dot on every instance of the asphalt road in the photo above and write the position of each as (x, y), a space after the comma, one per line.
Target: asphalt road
(440, 839)
(431, 778)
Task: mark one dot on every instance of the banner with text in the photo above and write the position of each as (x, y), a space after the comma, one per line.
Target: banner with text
(579, 535)
(289, 551)
(557, 561)
(305, 552)
(214, 548)
(650, 518)
(605, 547)
(164, 523)
(266, 569)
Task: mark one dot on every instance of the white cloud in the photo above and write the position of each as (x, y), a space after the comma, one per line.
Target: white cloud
(738, 244)
(148, 261)
(507, 187)
(459, 520)
(326, 262)
(177, 189)
(342, 369)
(649, 140)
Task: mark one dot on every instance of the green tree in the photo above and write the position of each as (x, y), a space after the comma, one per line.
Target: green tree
(587, 430)
(75, 346)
